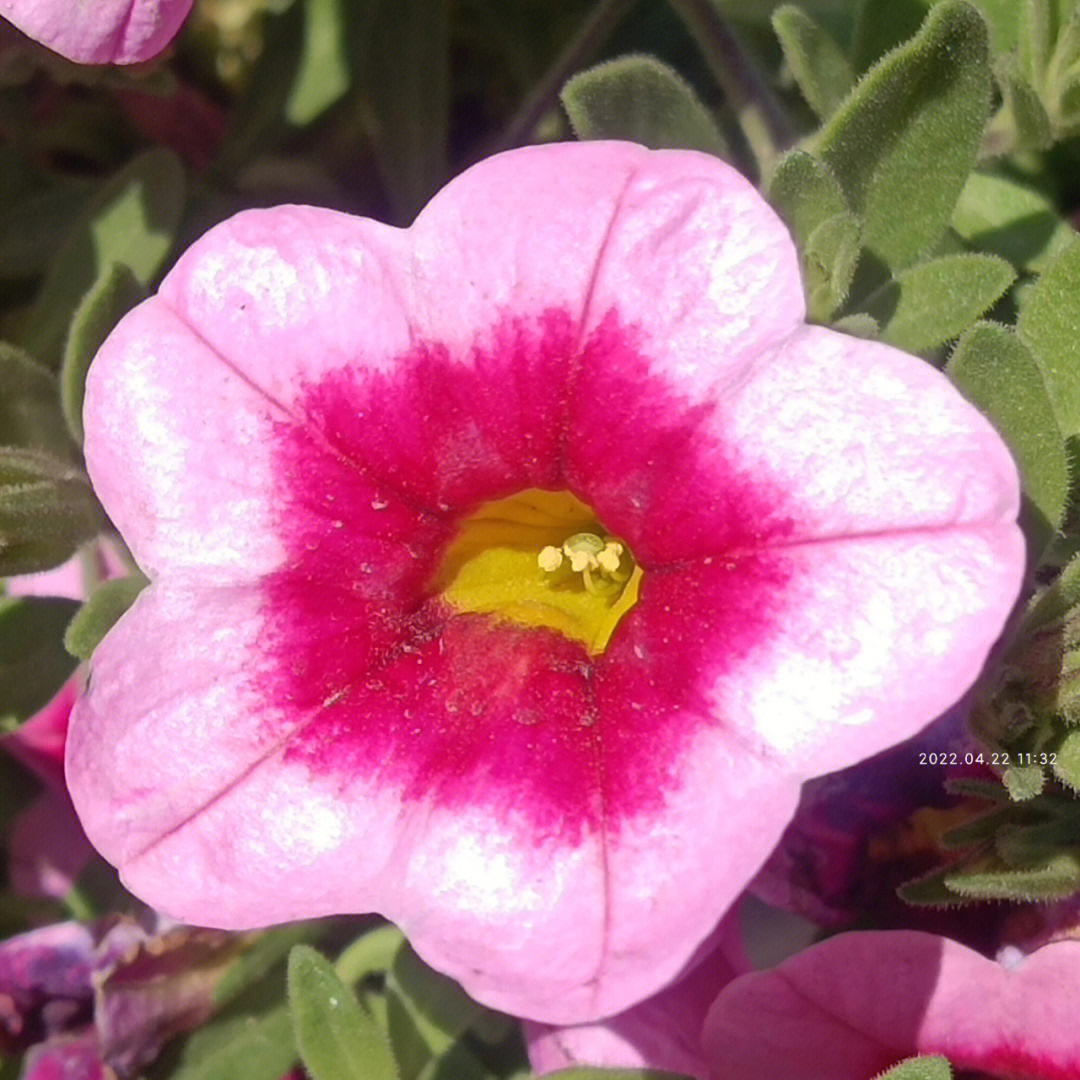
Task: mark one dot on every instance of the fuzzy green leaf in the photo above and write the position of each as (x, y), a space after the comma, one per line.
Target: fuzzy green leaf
(880, 27)
(30, 415)
(809, 199)
(408, 81)
(47, 511)
(1049, 324)
(1032, 128)
(829, 260)
(371, 953)
(1024, 781)
(996, 373)
(132, 220)
(859, 325)
(33, 661)
(805, 193)
(1053, 879)
(337, 1040)
(1034, 38)
(932, 302)
(237, 1048)
(904, 142)
(919, 1068)
(931, 891)
(1066, 764)
(1057, 600)
(642, 100)
(819, 66)
(100, 613)
(1006, 218)
(115, 293)
(439, 1008)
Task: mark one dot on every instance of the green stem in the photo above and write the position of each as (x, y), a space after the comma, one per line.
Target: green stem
(589, 39)
(762, 118)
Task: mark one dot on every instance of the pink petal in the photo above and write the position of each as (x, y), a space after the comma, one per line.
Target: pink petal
(289, 724)
(858, 1003)
(663, 1032)
(104, 32)
(47, 848)
(39, 743)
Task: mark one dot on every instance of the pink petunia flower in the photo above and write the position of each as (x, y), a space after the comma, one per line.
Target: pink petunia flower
(857, 1004)
(101, 31)
(663, 1032)
(512, 570)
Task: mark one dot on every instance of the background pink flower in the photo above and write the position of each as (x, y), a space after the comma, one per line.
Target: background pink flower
(295, 718)
(854, 1005)
(47, 848)
(99, 31)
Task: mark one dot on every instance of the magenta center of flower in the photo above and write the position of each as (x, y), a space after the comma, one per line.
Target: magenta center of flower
(541, 559)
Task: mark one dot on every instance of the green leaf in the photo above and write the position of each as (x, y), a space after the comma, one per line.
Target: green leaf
(809, 199)
(641, 100)
(1056, 601)
(904, 142)
(408, 82)
(932, 302)
(33, 661)
(1049, 324)
(1006, 218)
(371, 953)
(992, 368)
(805, 193)
(324, 68)
(1024, 781)
(33, 227)
(1066, 765)
(1032, 128)
(46, 511)
(237, 1048)
(100, 613)
(260, 957)
(1035, 35)
(132, 220)
(429, 1011)
(919, 1068)
(114, 294)
(1053, 879)
(859, 325)
(829, 260)
(30, 414)
(881, 27)
(820, 68)
(336, 1039)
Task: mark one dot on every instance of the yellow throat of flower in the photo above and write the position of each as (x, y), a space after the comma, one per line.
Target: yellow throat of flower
(541, 559)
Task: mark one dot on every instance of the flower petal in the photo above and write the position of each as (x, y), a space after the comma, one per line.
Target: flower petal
(104, 32)
(663, 1032)
(854, 1005)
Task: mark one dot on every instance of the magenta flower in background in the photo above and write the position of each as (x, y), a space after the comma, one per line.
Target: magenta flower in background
(47, 848)
(853, 1006)
(99, 31)
(512, 571)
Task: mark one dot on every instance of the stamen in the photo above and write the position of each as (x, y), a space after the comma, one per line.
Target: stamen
(598, 559)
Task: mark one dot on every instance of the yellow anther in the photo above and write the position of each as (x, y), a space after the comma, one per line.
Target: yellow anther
(550, 559)
(610, 557)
